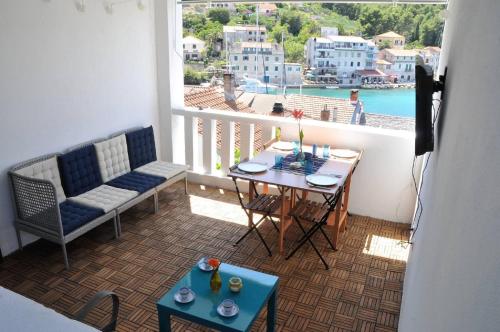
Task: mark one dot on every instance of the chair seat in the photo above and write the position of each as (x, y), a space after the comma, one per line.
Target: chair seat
(267, 204)
(162, 168)
(75, 215)
(136, 181)
(105, 197)
(309, 210)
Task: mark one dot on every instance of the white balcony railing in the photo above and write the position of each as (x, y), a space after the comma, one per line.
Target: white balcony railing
(382, 186)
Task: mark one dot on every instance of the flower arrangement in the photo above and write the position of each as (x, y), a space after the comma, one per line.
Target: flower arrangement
(215, 280)
(214, 263)
(297, 115)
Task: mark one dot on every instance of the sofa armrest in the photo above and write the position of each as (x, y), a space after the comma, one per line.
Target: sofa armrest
(36, 202)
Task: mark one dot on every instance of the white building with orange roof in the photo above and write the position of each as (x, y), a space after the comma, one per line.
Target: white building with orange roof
(394, 40)
(402, 64)
(268, 9)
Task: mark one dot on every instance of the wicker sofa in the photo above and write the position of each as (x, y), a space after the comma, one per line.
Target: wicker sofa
(62, 196)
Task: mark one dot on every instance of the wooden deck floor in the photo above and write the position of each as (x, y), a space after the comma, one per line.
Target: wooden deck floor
(361, 291)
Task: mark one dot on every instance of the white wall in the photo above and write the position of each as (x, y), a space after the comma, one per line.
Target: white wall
(453, 275)
(68, 77)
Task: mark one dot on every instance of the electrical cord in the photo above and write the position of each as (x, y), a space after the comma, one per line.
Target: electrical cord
(420, 206)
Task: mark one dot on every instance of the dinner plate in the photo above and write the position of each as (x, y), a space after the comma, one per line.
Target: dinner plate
(344, 153)
(321, 180)
(284, 146)
(252, 167)
(234, 311)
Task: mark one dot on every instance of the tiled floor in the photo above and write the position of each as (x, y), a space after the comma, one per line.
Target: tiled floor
(361, 292)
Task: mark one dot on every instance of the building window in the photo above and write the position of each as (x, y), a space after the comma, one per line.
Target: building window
(194, 46)
(359, 64)
(267, 68)
(276, 68)
(352, 64)
(245, 58)
(245, 68)
(235, 58)
(289, 69)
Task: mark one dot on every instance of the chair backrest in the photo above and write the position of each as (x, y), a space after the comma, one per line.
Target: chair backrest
(141, 147)
(79, 170)
(43, 168)
(112, 157)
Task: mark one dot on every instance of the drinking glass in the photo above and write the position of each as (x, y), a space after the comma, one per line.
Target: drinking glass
(326, 151)
(296, 147)
(278, 160)
(308, 167)
(315, 150)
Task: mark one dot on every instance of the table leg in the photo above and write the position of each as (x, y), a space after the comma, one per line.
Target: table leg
(251, 186)
(336, 225)
(164, 321)
(271, 312)
(282, 220)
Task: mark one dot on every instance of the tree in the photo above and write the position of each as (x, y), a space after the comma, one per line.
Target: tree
(193, 21)
(384, 44)
(211, 34)
(294, 51)
(294, 21)
(192, 77)
(220, 15)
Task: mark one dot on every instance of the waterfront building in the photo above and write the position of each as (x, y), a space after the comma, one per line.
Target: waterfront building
(336, 59)
(243, 33)
(292, 74)
(263, 61)
(193, 48)
(401, 67)
(391, 38)
(430, 56)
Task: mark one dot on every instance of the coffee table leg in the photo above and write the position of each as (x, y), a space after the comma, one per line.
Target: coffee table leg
(164, 321)
(271, 312)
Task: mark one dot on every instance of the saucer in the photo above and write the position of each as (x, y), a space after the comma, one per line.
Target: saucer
(234, 312)
(204, 266)
(191, 296)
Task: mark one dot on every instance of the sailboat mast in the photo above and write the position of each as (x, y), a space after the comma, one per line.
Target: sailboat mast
(256, 48)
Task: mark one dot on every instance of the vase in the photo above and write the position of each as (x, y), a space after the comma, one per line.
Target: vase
(215, 281)
(301, 156)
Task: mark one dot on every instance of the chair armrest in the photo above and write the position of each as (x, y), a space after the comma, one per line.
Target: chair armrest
(111, 326)
(36, 202)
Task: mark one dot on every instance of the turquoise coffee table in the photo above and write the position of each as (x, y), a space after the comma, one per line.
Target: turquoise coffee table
(258, 289)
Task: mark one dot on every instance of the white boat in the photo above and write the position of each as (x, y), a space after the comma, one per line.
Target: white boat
(256, 86)
(331, 87)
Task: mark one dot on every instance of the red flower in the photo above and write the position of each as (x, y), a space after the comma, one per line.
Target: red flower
(297, 114)
(214, 262)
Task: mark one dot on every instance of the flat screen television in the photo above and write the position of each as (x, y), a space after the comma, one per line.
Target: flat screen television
(424, 89)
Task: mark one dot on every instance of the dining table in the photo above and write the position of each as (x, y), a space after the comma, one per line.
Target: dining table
(292, 184)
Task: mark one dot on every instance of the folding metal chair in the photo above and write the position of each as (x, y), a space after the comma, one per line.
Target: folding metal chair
(317, 214)
(263, 204)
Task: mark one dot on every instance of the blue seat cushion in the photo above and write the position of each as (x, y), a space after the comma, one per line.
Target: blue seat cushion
(74, 215)
(79, 171)
(136, 181)
(141, 147)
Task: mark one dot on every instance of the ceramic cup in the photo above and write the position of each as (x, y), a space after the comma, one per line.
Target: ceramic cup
(227, 306)
(235, 284)
(184, 293)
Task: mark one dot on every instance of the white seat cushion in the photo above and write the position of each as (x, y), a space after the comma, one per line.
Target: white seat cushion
(18, 313)
(105, 197)
(112, 156)
(162, 168)
(45, 170)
